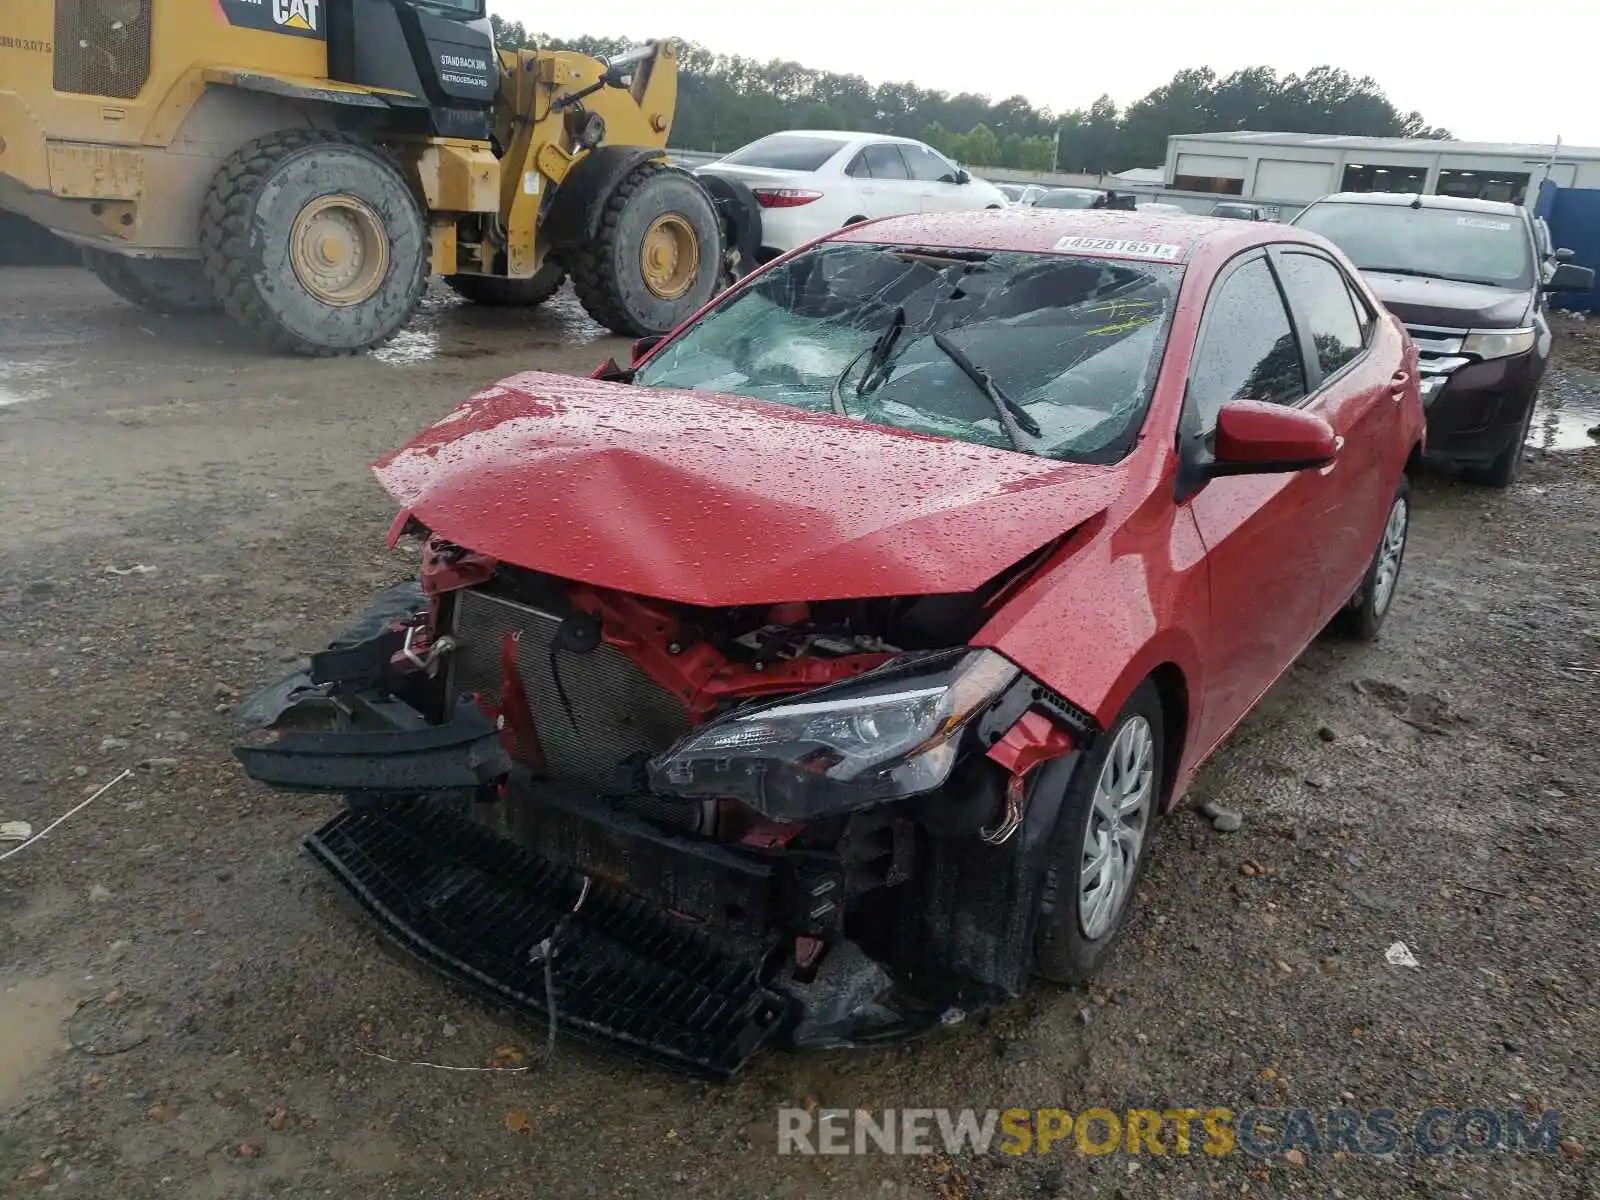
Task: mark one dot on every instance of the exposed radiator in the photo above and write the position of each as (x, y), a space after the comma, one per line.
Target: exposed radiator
(102, 47)
(619, 710)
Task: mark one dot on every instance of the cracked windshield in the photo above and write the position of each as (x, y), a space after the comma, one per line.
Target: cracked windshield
(1039, 353)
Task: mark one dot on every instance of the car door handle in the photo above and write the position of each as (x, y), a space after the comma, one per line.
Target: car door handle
(1338, 445)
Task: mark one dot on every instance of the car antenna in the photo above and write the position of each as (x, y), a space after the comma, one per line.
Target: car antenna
(1416, 201)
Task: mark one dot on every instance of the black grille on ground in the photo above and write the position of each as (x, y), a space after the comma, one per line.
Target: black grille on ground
(102, 47)
(619, 710)
(474, 906)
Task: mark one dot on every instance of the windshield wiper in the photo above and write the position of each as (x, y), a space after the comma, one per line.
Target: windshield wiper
(875, 354)
(1014, 419)
(1438, 275)
(1414, 272)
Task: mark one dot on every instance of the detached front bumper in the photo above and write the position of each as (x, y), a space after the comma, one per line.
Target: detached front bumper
(489, 914)
(681, 950)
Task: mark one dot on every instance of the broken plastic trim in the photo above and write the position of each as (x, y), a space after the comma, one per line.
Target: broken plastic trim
(461, 757)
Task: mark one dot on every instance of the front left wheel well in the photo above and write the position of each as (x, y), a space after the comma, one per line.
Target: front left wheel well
(1174, 691)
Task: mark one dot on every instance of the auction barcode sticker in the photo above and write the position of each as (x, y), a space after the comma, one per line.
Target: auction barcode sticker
(1161, 251)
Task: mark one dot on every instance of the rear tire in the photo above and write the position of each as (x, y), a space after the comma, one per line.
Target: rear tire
(1074, 937)
(1363, 616)
(662, 214)
(315, 242)
(495, 292)
(172, 287)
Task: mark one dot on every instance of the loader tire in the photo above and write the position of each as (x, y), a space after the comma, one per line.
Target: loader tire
(495, 292)
(172, 287)
(657, 254)
(315, 242)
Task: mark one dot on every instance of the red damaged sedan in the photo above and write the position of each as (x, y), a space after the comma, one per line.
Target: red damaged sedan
(822, 675)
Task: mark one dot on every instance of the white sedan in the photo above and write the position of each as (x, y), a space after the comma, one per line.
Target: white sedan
(812, 182)
(1021, 195)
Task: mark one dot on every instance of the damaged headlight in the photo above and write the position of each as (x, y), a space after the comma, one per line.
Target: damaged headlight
(890, 734)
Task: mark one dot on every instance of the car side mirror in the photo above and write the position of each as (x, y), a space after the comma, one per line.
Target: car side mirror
(1569, 277)
(610, 372)
(643, 347)
(1561, 254)
(963, 175)
(1255, 437)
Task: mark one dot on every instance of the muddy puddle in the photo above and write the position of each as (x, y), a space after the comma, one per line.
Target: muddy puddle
(1569, 406)
(33, 1014)
(20, 383)
(447, 328)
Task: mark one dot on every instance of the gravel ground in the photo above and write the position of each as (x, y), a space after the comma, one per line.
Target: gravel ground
(186, 515)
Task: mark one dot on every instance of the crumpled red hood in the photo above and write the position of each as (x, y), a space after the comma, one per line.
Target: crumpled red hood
(720, 500)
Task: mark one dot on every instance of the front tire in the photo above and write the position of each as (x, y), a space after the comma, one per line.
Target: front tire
(1100, 844)
(315, 242)
(1363, 616)
(1503, 470)
(657, 257)
(172, 287)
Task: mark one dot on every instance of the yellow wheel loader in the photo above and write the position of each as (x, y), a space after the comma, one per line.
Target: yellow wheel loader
(307, 164)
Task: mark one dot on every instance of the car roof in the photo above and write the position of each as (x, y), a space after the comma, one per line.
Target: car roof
(1179, 236)
(1499, 208)
(834, 135)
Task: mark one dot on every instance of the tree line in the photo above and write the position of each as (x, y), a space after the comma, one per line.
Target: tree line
(725, 101)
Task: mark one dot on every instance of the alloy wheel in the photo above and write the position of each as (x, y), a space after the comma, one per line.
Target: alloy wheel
(1390, 551)
(1114, 835)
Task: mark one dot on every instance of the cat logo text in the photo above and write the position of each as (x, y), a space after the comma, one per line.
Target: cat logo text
(297, 14)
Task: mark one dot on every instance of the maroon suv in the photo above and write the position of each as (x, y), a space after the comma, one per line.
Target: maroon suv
(1467, 278)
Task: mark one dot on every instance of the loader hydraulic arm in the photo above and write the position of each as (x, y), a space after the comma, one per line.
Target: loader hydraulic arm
(556, 106)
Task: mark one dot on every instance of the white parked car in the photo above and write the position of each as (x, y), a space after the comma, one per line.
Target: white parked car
(811, 182)
(1073, 197)
(1021, 195)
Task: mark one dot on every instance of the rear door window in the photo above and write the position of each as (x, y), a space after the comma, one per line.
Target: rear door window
(884, 162)
(786, 152)
(1247, 348)
(1320, 294)
(1364, 313)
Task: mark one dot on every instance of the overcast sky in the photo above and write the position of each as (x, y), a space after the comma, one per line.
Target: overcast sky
(1469, 65)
